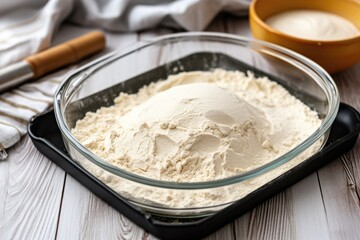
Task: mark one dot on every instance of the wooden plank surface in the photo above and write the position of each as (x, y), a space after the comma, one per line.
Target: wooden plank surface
(340, 180)
(38, 201)
(31, 191)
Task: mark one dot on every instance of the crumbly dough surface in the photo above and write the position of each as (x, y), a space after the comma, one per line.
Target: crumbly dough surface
(195, 127)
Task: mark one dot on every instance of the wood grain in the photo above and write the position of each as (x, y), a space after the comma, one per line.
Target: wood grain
(296, 213)
(340, 180)
(227, 232)
(341, 203)
(31, 190)
(85, 216)
(309, 212)
(272, 219)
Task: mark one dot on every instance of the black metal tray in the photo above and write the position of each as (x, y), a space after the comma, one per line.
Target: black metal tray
(46, 137)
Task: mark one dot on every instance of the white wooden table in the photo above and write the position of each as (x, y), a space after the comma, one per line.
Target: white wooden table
(38, 200)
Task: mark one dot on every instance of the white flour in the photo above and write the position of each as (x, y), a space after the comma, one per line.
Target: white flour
(193, 127)
(313, 25)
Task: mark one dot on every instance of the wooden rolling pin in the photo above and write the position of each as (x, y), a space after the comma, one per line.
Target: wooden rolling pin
(51, 59)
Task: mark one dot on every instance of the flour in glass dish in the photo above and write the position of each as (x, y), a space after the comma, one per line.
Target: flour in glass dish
(197, 127)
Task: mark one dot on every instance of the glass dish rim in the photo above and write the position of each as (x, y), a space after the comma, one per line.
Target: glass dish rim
(75, 79)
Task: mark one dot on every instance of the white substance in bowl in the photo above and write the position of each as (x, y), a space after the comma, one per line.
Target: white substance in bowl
(194, 127)
(313, 25)
(192, 133)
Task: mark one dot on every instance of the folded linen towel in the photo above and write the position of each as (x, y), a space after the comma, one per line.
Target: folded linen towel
(27, 27)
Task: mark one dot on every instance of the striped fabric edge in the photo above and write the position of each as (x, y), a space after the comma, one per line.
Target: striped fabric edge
(18, 106)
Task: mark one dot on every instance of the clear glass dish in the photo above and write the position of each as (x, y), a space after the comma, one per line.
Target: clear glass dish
(98, 83)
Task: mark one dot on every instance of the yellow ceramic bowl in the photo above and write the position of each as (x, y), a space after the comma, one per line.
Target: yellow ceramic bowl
(334, 56)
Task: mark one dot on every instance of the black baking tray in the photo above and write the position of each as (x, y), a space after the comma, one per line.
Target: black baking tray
(46, 136)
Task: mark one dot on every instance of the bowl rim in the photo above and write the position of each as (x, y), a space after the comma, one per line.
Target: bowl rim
(80, 75)
(253, 15)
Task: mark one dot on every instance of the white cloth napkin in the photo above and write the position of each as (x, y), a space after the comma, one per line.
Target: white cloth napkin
(27, 27)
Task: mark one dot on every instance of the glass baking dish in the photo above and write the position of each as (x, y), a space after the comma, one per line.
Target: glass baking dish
(98, 83)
